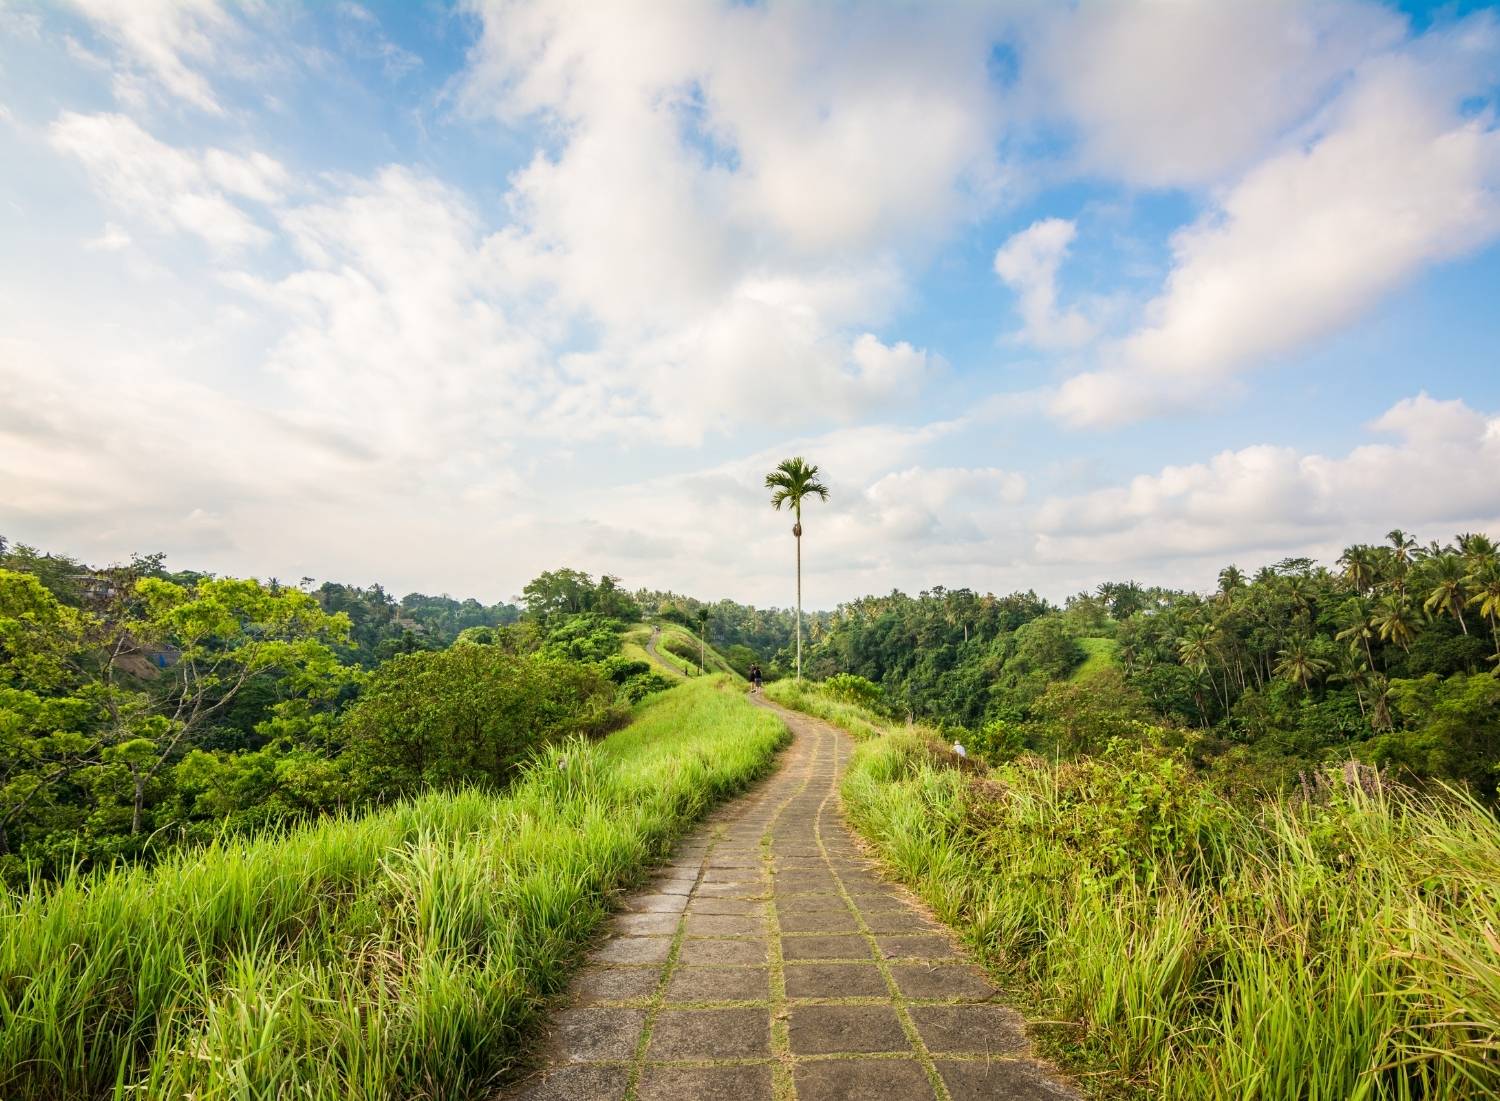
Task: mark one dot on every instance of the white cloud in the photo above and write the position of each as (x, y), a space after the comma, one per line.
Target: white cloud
(731, 193)
(169, 42)
(168, 188)
(1438, 474)
(1028, 264)
(1398, 180)
(113, 239)
(395, 329)
(1181, 94)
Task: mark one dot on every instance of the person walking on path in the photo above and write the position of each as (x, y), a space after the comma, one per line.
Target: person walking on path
(755, 677)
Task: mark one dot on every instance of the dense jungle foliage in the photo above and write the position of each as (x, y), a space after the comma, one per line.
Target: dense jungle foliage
(1390, 656)
(140, 708)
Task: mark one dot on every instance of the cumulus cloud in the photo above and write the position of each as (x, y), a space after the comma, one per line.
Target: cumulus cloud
(1174, 94)
(1028, 263)
(729, 188)
(1439, 472)
(1398, 179)
(393, 328)
(171, 189)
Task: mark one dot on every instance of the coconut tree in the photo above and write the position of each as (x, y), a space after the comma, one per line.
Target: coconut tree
(1300, 663)
(1396, 620)
(1359, 564)
(1484, 583)
(1358, 618)
(793, 481)
(1443, 575)
(703, 639)
(1231, 581)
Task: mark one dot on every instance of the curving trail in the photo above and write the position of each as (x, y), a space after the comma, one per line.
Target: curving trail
(655, 655)
(768, 960)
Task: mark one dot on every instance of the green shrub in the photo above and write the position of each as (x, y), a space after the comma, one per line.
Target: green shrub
(467, 715)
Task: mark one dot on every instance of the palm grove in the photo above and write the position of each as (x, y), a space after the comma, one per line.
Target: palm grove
(1392, 655)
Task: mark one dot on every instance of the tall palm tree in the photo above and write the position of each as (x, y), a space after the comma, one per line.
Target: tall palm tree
(792, 481)
(1484, 583)
(1396, 620)
(1359, 567)
(1300, 664)
(1358, 618)
(1443, 575)
(1231, 581)
(703, 639)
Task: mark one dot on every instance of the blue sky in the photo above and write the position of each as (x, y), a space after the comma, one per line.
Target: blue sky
(442, 295)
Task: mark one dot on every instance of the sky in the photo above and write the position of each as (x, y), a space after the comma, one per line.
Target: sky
(444, 295)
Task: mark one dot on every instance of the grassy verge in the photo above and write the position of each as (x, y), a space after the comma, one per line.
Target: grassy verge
(1345, 948)
(1098, 655)
(680, 647)
(809, 697)
(633, 646)
(400, 954)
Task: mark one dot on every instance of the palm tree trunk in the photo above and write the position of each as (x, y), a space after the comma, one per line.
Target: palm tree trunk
(799, 598)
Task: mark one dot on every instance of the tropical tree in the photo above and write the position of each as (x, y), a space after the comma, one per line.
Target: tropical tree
(1300, 664)
(792, 482)
(1443, 575)
(1358, 618)
(1359, 564)
(1396, 620)
(1485, 583)
(703, 639)
(1231, 581)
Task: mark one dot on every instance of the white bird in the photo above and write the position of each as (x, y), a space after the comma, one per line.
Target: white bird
(959, 750)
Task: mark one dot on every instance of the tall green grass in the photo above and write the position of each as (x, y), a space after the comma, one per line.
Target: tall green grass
(1337, 949)
(808, 697)
(400, 954)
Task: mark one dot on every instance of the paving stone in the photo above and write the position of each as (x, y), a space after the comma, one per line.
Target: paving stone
(633, 950)
(723, 925)
(806, 904)
(898, 921)
(615, 984)
(747, 950)
(655, 903)
(845, 1029)
(986, 1080)
(806, 885)
(592, 1035)
(818, 947)
(731, 875)
(819, 921)
(572, 1083)
(743, 1083)
(719, 984)
(733, 890)
(645, 925)
(834, 980)
(941, 980)
(737, 906)
(916, 946)
(674, 886)
(680, 1034)
(862, 1080)
(969, 1029)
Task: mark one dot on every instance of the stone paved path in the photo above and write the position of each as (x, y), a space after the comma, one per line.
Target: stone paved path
(768, 961)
